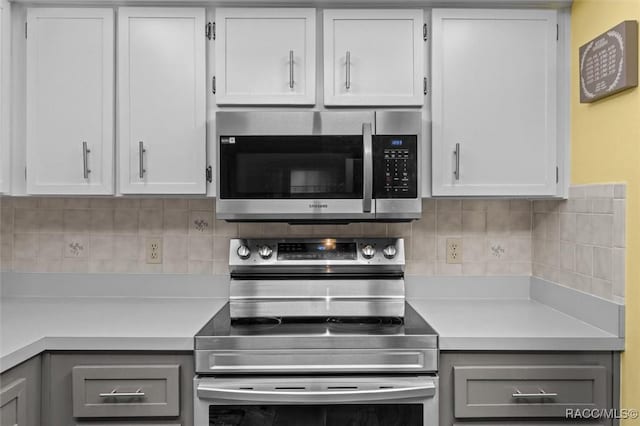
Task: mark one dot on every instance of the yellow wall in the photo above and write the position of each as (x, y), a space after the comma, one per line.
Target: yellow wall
(605, 147)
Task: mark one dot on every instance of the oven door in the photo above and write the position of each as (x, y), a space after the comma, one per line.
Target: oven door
(317, 401)
(287, 177)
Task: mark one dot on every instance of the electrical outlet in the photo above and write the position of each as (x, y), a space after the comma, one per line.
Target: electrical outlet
(454, 250)
(153, 250)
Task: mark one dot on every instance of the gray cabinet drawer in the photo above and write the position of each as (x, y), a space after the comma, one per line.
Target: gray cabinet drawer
(126, 391)
(511, 391)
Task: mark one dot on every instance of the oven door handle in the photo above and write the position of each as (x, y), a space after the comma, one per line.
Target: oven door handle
(314, 397)
(367, 138)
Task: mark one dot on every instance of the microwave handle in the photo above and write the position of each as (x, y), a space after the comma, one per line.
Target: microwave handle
(367, 138)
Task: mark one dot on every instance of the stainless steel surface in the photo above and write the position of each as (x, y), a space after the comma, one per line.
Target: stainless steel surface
(115, 394)
(378, 265)
(291, 80)
(141, 151)
(390, 251)
(367, 139)
(85, 160)
(347, 83)
(316, 361)
(243, 251)
(314, 390)
(303, 123)
(456, 171)
(541, 394)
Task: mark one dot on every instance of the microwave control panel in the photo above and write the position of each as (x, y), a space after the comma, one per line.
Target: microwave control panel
(395, 166)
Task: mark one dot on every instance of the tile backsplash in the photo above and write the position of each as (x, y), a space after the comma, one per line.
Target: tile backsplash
(580, 242)
(577, 242)
(108, 235)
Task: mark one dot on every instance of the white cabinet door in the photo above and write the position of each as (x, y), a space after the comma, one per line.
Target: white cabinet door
(4, 95)
(265, 56)
(373, 57)
(70, 101)
(494, 102)
(162, 106)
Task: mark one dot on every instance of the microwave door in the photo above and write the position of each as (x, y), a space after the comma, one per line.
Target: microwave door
(367, 141)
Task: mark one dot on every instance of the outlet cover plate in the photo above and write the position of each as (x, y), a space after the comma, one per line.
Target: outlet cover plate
(454, 250)
(153, 250)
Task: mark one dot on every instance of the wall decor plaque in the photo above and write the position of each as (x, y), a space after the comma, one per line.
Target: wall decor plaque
(609, 62)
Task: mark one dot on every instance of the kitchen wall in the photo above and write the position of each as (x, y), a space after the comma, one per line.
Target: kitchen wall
(605, 148)
(580, 242)
(109, 235)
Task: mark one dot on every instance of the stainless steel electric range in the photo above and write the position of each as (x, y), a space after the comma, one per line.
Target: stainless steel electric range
(316, 332)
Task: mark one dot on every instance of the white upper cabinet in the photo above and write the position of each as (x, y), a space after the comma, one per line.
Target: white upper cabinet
(162, 105)
(265, 56)
(494, 106)
(374, 57)
(70, 101)
(4, 98)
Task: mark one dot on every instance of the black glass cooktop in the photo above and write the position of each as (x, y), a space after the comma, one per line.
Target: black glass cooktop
(222, 325)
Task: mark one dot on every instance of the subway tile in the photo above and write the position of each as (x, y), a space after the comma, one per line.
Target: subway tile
(498, 268)
(50, 221)
(620, 191)
(422, 249)
(552, 253)
(474, 249)
(226, 229)
(520, 250)
(176, 267)
(498, 222)
(421, 268)
(101, 247)
(200, 267)
(618, 271)
(602, 263)
(25, 245)
(520, 205)
(25, 220)
(50, 246)
(602, 288)
(25, 202)
(428, 205)
(200, 247)
(568, 223)
(474, 269)
(394, 229)
(175, 204)
(448, 205)
(102, 221)
(619, 225)
(553, 227)
(520, 268)
(201, 204)
(520, 223)
(152, 203)
(494, 206)
(201, 222)
(448, 269)
(474, 222)
(150, 221)
(599, 191)
(221, 249)
(102, 203)
(77, 203)
(425, 225)
(126, 248)
(125, 221)
(577, 192)
(581, 206)
(540, 226)
(76, 246)
(497, 250)
(176, 222)
(449, 222)
(126, 203)
(77, 221)
(602, 230)
(584, 260)
(602, 205)
(51, 203)
(175, 248)
(584, 229)
(567, 256)
(100, 266)
(474, 205)
(220, 268)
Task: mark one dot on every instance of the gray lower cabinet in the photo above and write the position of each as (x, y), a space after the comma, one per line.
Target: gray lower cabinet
(118, 389)
(20, 394)
(524, 389)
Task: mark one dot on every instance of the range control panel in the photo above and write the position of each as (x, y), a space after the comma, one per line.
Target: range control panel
(395, 166)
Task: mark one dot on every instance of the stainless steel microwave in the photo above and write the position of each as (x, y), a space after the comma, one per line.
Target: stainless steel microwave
(305, 166)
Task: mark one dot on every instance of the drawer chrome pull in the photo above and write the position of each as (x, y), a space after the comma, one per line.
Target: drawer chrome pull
(541, 394)
(115, 394)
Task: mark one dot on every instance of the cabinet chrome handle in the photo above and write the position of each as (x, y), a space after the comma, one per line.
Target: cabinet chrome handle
(291, 81)
(456, 172)
(85, 160)
(347, 83)
(367, 136)
(115, 394)
(541, 394)
(141, 152)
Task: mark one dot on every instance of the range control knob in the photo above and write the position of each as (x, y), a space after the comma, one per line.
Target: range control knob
(265, 251)
(390, 251)
(368, 251)
(244, 252)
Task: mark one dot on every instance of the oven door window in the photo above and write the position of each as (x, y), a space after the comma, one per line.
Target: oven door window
(317, 415)
(289, 167)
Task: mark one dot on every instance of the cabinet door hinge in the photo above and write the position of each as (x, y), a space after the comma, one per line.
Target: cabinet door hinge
(425, 86)
(557, 174)
(424, 32)
(209, 174)
(213, 84)
(211, 30)
(25, 30)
